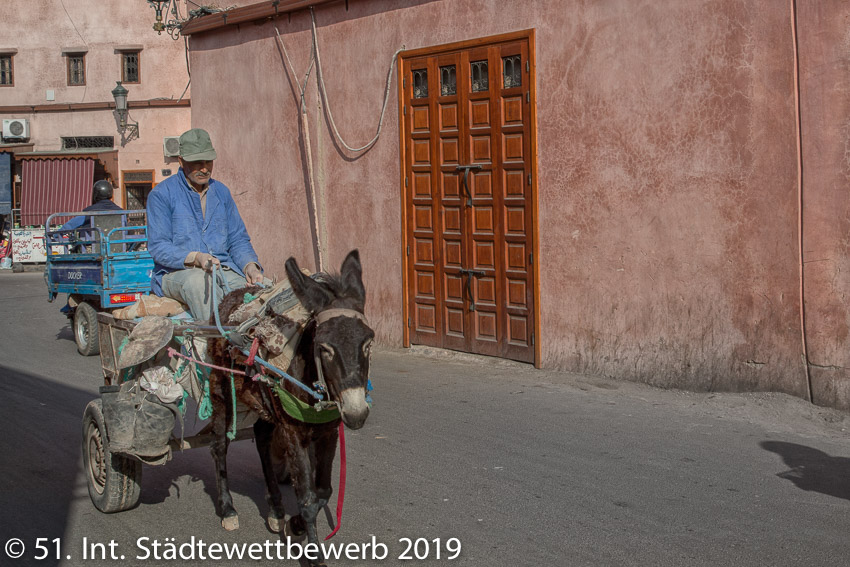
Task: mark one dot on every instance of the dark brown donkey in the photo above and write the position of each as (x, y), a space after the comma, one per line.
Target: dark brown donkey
(334, 350)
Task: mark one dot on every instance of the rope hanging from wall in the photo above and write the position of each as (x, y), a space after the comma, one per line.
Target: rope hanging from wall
(315, 60)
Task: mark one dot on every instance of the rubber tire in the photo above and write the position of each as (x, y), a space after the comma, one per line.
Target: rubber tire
(115, 481)
(85, 330)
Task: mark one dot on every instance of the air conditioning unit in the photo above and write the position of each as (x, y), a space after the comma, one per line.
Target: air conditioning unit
(171, 146)
(16, 129)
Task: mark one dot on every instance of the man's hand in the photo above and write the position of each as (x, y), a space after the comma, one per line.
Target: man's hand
(253, 275)
(206, 261)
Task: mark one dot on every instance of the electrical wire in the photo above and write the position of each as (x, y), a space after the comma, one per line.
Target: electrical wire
(86, 87)
(800, 199)
(305, 128)
(324, 92)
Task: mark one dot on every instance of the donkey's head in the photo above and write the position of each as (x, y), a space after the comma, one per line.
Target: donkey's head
(342, 339)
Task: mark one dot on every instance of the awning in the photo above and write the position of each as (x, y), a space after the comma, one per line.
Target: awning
(54, 185)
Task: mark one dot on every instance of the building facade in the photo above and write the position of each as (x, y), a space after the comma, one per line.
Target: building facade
(59, 63)
(652, 192)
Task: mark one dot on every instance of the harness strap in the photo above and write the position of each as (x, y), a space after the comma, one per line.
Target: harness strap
(323, 316)
(302, 411)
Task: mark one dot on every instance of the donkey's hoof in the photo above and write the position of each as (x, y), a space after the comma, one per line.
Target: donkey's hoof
(275, 523)
(294, 532)
(230, 523)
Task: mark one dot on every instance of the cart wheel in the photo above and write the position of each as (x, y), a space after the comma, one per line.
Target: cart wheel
(85, 330)
(114, 480)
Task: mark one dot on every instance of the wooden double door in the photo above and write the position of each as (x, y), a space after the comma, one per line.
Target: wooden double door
(469, 199)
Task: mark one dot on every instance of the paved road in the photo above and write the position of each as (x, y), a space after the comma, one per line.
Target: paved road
(523, 467)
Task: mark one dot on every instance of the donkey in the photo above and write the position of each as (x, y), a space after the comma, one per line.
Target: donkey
(334, 349)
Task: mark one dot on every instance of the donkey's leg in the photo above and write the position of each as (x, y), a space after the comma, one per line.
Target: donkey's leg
(325, 453)
(221, 417)
(263, 432)
(298, 455)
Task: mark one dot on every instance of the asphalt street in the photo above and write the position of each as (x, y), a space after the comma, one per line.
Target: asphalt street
(517, 466)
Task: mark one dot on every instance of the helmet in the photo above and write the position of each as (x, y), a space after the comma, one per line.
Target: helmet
(102, 190)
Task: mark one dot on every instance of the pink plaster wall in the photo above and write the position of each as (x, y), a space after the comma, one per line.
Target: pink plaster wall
(41, 29)
(667, 168)
(825, 94)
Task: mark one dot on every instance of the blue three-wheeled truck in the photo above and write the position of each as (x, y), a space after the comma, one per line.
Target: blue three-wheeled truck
(102, 265)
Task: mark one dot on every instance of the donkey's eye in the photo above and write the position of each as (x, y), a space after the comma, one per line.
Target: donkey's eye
(327, 350)
(367, 347)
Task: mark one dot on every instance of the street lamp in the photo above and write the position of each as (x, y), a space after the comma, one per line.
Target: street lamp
(128, 131)
(158, 26)
(171, 26)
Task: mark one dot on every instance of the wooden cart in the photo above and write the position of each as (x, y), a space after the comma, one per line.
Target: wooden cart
(114, 479)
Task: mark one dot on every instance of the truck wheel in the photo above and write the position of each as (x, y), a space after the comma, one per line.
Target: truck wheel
(114, 481)
(85, 330)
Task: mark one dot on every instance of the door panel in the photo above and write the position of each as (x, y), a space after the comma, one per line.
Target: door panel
(467, 140)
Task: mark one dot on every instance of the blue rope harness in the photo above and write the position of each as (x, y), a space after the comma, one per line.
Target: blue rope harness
(219, 273)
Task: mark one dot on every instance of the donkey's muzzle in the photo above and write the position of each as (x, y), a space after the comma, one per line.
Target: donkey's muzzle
(353, 407)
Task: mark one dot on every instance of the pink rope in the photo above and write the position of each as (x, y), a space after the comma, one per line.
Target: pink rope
(172, 353)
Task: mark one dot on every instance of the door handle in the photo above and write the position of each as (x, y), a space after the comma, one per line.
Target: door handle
(469, 274)
(466, 169)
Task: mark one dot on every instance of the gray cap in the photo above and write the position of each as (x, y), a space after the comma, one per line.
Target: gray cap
(195, 145)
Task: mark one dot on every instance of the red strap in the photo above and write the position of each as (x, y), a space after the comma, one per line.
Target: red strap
(341, 492)
(255, 346)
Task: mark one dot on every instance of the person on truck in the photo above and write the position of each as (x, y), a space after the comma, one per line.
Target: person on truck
(101, 200)
(193, 228)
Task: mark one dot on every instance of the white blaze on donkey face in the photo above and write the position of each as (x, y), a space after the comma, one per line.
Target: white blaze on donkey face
(353, 407)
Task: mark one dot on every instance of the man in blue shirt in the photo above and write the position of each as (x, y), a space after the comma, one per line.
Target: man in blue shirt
(193, 225)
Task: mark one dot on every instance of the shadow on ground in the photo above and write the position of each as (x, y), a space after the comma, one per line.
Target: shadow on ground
(813, 470)
(40, 448)
(41, 468)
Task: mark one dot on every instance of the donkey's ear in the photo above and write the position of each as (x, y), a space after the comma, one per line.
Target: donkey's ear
(312, 295)
(352, 278)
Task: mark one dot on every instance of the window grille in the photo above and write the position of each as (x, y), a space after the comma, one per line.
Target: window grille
(76, 70)
(480, 80)
(448, 80)
(130, 67)
(512, 71)
(6, 78)
(137, 176)
(420, 83)
(85, 142)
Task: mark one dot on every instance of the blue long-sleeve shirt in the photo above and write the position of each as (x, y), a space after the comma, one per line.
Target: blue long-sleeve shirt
(178, 226)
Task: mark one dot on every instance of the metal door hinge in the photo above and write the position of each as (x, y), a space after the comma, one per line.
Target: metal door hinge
(408, 249)
(532, 339)
(529, 179)
(531, 258)
(409, 323)
(405, 181)
(527, 96)
(527, 65)
(404, 110)
(404, 82)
